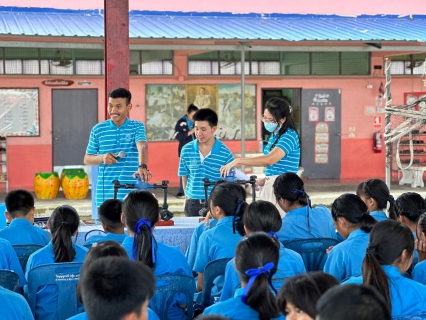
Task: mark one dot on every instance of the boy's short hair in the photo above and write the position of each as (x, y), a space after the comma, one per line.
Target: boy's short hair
(352, 302)
(206, 115)
(113, 287)
(192, 108)
(110, 213)
(19, 202)
(121, 93)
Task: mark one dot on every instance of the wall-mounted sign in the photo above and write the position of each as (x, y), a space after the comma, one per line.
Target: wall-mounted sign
(57, 83)
(84, 83)
(377, 122)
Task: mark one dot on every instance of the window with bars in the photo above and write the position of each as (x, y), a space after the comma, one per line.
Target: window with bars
(408, 64)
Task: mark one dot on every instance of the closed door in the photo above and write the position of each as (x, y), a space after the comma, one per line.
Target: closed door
(74, 113)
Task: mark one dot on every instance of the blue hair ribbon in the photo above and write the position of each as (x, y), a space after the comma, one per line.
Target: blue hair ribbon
(138, 229)
(304, 194)
(391, 199)
(254, 273)
(272, 234)
(237, 214)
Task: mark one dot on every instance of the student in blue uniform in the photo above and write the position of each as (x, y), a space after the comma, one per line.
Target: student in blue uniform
(256, 261)
(227, 201)
(14, 306)
(140, 214)
(301, 221)
(282, 153)
(63, 224)
(263, 216)
(299, 294)
(354, 223)
(419, 272)
(389, 255)
(9, 260)
(110, 217)
(20, 208)
(117, 288)
(375, 194)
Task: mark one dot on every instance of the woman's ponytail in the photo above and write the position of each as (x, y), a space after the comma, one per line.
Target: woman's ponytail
(367, 222)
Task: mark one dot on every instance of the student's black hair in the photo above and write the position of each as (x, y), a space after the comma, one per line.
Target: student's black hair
(377, 190)
(19, 202)
(354, 210)
(100, 250)
(211, 317)
(262, 216)
(63, 222)
(352, 302)
(422, 223)
(304, 290)
(230, 197)
(388, 239)
(409, 204)
(253, 252)
(137, 205)
(280, 108)
(206, 115)
(191, 108)
(121, 93)
(110, 213)
(285, 186)
(113, 287)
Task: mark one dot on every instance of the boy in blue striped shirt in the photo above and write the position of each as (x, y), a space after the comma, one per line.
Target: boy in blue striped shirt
(202, 158)
(117, 135)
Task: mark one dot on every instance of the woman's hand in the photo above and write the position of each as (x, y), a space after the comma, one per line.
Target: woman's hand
(420, 246)
(224, 171)
(207, 219)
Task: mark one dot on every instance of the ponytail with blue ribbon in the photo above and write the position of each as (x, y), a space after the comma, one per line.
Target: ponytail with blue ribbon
(138, 230)
(254, 273)
(237, 215)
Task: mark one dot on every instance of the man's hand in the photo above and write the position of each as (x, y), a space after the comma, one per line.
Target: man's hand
(144, 174)
(109, 158)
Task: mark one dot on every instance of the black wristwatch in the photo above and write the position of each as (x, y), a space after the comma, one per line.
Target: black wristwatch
(143, 166)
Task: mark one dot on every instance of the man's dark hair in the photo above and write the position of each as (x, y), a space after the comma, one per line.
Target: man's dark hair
(19, 202)
(110, 213)
(113, 287)
(206, 115)
(191, 108)
(121, 93)
(352, 302)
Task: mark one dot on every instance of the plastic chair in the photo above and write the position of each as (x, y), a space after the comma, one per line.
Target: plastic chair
(212, 270)
(167, 287)
(421, 316)
(65, 276)
(23, 251)
(312, 251)
(9, 280)
(92, 233)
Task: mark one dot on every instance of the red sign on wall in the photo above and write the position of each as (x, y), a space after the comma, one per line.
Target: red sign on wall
(57, 83)
(377, 122)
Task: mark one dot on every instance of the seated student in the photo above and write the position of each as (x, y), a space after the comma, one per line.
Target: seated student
(389, 255)
(191, 251)
(256, 260)
(263, 216)
(301, 221)
(227, 200)
(101, 250)
(14, 306)
(299, 294)
(117, 288)
(375, 194)
(9, 260)
(352, 302)
(110, 216)
(354, 223)
(140, 214)
(63, 224)
(419, 272)
(20, 208)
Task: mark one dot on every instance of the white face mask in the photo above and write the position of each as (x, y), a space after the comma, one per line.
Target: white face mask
(271, 127)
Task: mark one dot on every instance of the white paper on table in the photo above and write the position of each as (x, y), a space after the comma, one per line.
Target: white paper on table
(241, 175)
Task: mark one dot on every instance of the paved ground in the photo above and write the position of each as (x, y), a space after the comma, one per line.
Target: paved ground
(320, 192)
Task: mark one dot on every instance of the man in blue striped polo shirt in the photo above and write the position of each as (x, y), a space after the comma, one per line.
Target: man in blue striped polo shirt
(119, 147)
(202, 158)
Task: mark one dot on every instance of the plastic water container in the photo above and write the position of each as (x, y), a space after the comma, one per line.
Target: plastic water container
(142, 185)
(2, 216)
(230, 177)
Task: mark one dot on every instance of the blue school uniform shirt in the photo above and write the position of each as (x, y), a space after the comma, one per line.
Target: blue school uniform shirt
(21, 231)
(290, 263)
(190, 165)
(106, 137)
(290, 144)
(83, 316)
(407, 296)
(14, 306)
(46, 297)
(379, 215)
(9, 260)
(191, 251)
(117, 237)
(235, 308)
(295, 224)
(419, 272)
(345, 259)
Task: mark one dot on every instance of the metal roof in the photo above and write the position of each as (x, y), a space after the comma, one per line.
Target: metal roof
(210, 26)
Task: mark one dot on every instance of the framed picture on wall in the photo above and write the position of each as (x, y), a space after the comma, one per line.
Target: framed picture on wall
(19, 112)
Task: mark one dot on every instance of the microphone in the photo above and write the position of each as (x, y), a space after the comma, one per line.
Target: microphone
(121, 154)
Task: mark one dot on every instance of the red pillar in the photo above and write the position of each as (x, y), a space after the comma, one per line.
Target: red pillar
(117, 52)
